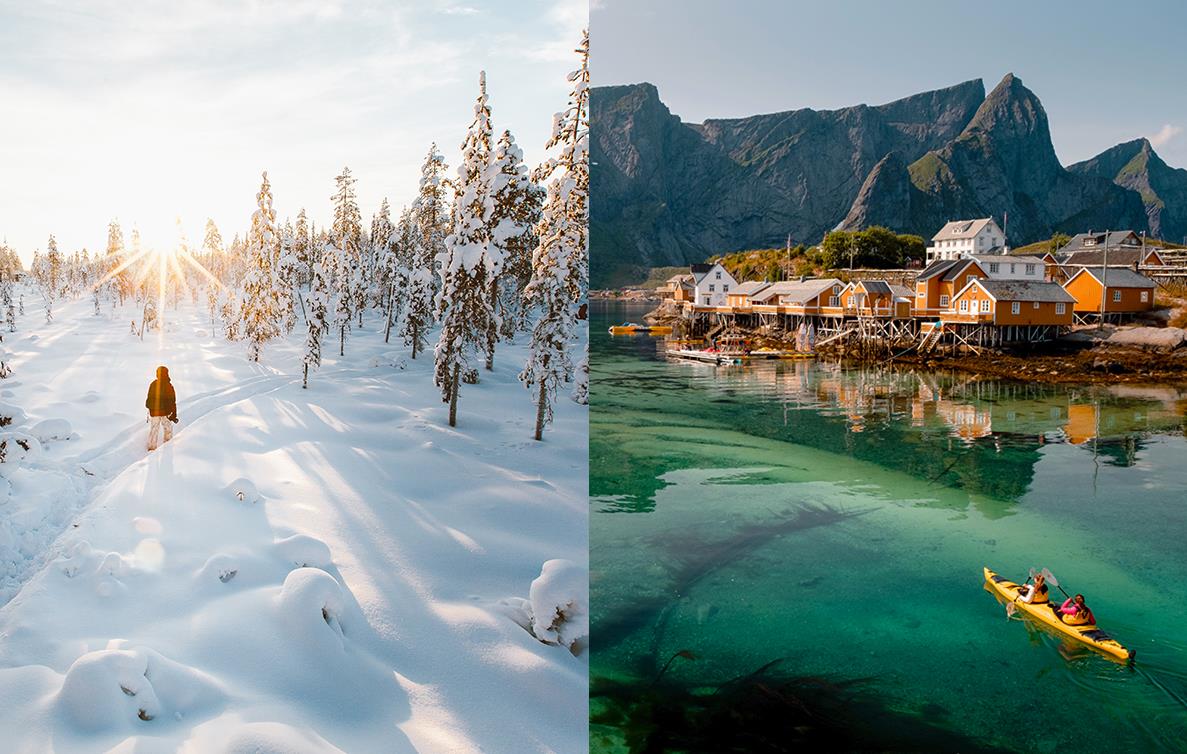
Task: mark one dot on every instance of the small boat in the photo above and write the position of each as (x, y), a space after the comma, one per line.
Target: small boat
(1046, 614)
(632, 328)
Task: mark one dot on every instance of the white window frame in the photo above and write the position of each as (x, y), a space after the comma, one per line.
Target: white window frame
(964, 305)
(1030, 269)
(1036, 306)
(1116, 297)
(985, 306)
(1016, 307)
(834, 301)
(994, 267)
(1061, 308)
(943, 300)
(718, 275)
(1145, 297)
(711, 290)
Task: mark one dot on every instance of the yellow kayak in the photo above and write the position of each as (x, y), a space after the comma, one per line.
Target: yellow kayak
(1046, 614)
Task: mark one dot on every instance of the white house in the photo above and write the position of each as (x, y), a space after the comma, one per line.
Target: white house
(963, 238)
(712, 282)
(1007, 267)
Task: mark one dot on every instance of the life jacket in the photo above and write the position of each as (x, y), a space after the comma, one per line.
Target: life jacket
(1082, 618)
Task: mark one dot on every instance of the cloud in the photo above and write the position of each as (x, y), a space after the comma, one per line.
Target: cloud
(1165, 134)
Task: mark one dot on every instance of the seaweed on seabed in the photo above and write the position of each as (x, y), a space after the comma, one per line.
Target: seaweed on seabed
(763, 711)
(696, 557)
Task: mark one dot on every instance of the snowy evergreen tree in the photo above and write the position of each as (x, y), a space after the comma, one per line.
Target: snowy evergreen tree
(468, 262)
(395, 268)
(430, 217)
(212, 248)
(347, 234)
(9, 305)
(380, 248)
(260, 312)
(303, 250)
(286, 273)
(560, 262)
(514, 214)
(316, 308)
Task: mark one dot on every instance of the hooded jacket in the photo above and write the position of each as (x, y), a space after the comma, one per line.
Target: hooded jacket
(161, 400)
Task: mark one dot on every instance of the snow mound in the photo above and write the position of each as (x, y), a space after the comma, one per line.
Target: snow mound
(113, 689)
(11, 415)
(16, 446)
(52, 429)
(243, 490)
(310, 606)
(262, 738)
(559, 599)
(90, 396)
(219, 567)
(302, 550)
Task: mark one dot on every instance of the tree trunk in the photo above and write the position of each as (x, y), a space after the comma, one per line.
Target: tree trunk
(305, 379)
(493, 334)
(342, 341)
(453, 397)
(415, 337)
(391, 300)
(540, 404)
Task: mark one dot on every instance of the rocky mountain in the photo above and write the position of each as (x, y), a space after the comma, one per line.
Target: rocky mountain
(668, 192)
(1163, 189)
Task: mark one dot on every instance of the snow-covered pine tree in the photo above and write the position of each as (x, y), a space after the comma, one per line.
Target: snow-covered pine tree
(286, 271)
(515, 212)
(468, 262)
(430, 216)
(260, 311)
(560, 262)
(347, 235)
(316, 309)
(9, 306)
(302, 249)
(395, 268)
(380, 248)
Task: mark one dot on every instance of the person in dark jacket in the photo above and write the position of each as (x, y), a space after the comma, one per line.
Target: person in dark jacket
(162, 408)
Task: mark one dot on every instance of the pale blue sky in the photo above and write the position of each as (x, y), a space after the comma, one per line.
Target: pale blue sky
(150, 111)
(1106, 72)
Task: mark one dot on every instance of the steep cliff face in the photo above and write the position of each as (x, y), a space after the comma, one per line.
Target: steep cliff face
(667, 192)
(1135, 165)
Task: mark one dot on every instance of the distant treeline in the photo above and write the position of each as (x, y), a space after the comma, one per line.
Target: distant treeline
(872, 248)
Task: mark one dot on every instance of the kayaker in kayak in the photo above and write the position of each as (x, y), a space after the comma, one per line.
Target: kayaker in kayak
(1036, 593)
(1075, 613)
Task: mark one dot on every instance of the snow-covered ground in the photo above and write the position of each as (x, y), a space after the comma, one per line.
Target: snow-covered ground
(298, 570)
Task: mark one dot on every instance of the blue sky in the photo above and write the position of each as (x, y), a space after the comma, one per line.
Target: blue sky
(1106, 72)
(164, 110)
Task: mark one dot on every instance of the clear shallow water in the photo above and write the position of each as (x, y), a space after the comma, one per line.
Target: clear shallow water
(914, 481)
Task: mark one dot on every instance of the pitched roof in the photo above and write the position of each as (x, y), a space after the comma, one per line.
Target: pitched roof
(901, 291)
(1126, 256)
(796, 291)
(1113, 238)
(683, 278)
(1119, 277)
(749, 287)
(961, 229)
(935, 268)
(875, 286)
(1025, 290)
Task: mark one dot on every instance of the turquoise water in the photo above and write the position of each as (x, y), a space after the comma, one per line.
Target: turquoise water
(839, 518)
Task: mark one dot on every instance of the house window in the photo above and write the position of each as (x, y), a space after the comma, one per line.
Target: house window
(1145, 296)
(1016, 308)
(985, 305)
(706, 300)
(1030, 269)
(710, 288)
(1116, 296)
(832, 300)
(993, 266)
(964, 305)
(725, 288)
(1011, 269)
(837, 289)
(1060, 308)
(1036, 306)
(943, 301)
(719, 274)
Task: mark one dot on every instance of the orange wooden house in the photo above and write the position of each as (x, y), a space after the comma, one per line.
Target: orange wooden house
(739, 296)
(1124, 291)
(876, 298)
(938, 284)
(1011, 302)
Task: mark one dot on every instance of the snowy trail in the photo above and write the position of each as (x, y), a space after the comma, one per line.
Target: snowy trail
(361, 596)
